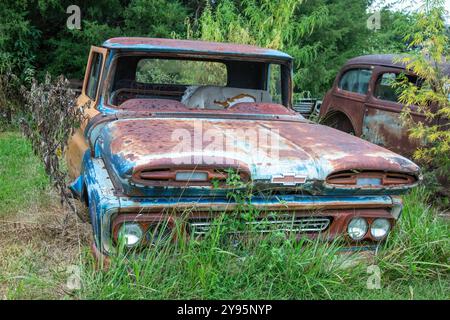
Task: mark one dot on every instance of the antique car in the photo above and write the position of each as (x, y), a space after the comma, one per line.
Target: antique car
(364, 103)
(170, 120)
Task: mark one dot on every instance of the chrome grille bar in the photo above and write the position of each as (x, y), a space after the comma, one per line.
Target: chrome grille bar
(296, 224)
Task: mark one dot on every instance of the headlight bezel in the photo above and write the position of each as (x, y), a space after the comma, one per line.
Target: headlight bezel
(146, 223)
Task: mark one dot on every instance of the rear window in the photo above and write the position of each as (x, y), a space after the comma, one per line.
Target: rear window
(356, 80)
(181, 72)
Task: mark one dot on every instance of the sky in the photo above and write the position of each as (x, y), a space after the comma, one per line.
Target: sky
(405, 5)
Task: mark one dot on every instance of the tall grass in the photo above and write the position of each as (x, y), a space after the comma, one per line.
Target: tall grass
(414, 262)
(420, 246)
(22, 178)
(276, 267)
(265, 269)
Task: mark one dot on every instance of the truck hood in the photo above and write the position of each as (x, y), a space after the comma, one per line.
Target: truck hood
(265, 148)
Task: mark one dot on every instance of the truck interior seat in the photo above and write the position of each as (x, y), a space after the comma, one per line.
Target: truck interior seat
(215, 97)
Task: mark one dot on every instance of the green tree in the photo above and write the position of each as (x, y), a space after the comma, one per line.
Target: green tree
(272, 24)
(71, 48)
(430, 51)
(321, 34)
(155, 18)
(340, 33)
(18, 39)
(389, 38)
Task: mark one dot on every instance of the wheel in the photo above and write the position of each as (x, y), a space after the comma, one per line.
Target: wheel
(340, 122)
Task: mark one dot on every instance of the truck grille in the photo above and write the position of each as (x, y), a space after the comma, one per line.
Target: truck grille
(200, 227)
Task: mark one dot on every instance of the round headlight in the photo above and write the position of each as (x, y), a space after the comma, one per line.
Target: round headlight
(131, 233)
(379, 228)
(159, 234)
(357, 228)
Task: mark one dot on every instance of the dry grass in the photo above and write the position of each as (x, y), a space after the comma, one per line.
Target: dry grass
(37, 250)
(37, 242)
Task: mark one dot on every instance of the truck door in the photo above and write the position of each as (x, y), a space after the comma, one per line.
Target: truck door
(90, 93)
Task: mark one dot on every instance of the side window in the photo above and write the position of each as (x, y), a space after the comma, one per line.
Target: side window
(356, 80)
(94, 75)
(383, 87)
(275, 83)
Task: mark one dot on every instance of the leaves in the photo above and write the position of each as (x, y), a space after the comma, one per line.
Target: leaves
(429, 43)
(51, 116)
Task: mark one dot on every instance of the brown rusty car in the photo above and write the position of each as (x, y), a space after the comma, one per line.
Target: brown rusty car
(362, 102)
(169, 118)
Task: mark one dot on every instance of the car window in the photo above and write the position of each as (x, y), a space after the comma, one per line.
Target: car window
(356, 80)
(275, 83)
(182, 72)
(94, 75)
(384, 89)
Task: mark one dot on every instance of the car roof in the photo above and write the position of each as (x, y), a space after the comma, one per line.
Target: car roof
(387, 60)
(193, 47)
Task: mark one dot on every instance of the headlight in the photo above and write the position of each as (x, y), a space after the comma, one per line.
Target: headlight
(357, 228)
(159, 234)
(379, 228)
(131, 233)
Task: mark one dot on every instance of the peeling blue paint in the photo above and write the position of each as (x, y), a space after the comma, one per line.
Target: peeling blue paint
(77, 187)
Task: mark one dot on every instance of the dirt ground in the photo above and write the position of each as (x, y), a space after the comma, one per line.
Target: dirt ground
(39, 248)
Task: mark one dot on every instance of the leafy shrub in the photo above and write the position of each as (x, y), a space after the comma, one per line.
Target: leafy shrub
(432, 96)
(50, 119)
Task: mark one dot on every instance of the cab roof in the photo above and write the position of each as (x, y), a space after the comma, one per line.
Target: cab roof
(193, 47)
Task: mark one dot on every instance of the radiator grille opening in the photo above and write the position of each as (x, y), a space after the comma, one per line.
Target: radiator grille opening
(288, 224)
(184, 176)
(386, 178)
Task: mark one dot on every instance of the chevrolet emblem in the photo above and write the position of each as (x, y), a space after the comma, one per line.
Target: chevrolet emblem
(288, 179)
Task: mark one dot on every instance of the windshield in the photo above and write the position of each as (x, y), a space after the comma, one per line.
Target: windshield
(194, 83)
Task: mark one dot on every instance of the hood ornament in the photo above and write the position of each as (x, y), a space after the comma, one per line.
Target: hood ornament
(288, 179)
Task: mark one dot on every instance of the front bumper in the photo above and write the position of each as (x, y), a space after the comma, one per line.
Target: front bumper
(105, 206)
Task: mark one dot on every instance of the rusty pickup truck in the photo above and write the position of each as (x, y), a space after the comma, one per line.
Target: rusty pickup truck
(168, 119)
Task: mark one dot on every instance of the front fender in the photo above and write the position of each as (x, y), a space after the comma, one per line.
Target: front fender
(102, 201)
